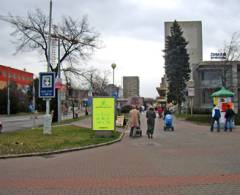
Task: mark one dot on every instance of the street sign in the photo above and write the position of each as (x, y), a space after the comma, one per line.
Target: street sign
(58, 83)
(46, 85)
(191, 92)
(115, 94)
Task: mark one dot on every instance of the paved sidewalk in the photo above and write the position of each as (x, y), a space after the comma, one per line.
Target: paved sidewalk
(189, 161)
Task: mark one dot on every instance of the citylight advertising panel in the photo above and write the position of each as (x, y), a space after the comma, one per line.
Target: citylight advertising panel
(103, 113)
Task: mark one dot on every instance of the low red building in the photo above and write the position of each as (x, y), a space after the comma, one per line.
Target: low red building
(20, 77)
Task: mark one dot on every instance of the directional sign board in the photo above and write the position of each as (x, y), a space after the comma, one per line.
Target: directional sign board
(46, 85)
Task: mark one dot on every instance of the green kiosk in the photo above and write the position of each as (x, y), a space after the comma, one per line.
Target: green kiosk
(222, 98)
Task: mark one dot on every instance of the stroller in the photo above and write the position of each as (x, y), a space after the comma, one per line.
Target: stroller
(137, 132)
(168, 122)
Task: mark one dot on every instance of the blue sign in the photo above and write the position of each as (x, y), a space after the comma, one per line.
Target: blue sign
(46, 85)
(115, 94)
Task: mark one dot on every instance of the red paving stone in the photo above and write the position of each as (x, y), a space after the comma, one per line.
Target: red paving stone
(121, 182)
(190, 160)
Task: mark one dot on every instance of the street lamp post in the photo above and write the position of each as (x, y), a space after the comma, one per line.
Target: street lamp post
(113, 67)
(49, 53)
(8, 92)
(47, 128)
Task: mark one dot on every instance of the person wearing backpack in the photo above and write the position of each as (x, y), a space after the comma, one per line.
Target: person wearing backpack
(229, 118)
(216, 115)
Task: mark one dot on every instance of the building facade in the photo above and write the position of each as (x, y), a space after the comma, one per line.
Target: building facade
(192, 32)
(130, 86)
(21, 77)
(210, 76)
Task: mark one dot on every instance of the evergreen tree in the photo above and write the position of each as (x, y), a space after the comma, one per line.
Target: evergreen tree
(176, 64)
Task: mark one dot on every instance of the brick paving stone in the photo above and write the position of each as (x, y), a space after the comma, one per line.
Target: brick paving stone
(190, 160)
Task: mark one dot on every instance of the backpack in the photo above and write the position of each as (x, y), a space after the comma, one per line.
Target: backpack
(217, 114)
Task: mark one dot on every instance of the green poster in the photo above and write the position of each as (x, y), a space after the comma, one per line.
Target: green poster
(103, 113)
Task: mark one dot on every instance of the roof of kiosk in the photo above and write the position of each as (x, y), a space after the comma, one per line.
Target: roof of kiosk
(223, 92)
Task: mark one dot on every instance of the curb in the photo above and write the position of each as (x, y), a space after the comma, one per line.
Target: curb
(63, 150)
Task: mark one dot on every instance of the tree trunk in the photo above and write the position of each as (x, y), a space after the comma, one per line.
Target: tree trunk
(179, 108)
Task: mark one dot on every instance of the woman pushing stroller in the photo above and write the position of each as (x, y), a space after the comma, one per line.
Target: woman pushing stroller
(168, 120)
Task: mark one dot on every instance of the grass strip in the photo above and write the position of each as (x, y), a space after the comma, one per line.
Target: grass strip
(62, 137)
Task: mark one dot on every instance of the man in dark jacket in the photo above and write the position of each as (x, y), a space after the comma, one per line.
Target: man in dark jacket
(151, 115)
(229, 118)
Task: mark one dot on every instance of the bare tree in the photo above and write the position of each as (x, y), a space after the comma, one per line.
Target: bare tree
(77, 39)
(94, 79)
(231, 49)
(31, 33)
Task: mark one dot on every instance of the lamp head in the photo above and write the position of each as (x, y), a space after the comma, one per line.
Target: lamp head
(113, 66)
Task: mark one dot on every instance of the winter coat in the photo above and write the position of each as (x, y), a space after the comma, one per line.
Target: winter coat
(151, 115)
(134, 116)
(229, 113)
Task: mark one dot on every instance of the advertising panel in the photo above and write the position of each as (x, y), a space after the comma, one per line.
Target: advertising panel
(103, 116)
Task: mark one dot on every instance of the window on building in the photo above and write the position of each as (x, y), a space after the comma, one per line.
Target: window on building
(206, 96)
(208, 75)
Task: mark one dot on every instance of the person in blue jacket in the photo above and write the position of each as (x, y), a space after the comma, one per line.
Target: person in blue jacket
(216, 115)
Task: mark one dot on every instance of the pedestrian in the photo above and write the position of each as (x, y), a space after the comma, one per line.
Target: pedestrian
(159, 110)
(216, 115)
(86, 111)
(229, 118)
(151, 115)
(134, 116)
(166, 111)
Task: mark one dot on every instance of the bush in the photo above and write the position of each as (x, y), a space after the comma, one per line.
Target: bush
(237, 118)
(202, 111)
(199, 118)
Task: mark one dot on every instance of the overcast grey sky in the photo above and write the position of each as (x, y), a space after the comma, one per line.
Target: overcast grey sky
(132, 32)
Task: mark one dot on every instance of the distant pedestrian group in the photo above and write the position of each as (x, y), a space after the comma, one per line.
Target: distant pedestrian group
(216, 116)
(134, 117)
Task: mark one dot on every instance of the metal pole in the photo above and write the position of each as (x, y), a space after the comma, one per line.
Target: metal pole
(8, 94)
(33, 94)
(191, 99)
(113, 67)
(113, 76)
(49, 53)
(58, 90)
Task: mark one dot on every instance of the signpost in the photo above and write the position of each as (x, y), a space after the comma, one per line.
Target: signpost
(47, 91)
(191, 94)
(103, 115)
